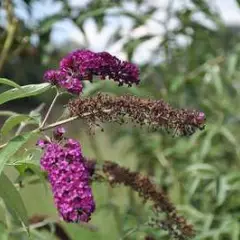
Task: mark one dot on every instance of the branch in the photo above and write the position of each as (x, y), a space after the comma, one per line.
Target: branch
(11, 30)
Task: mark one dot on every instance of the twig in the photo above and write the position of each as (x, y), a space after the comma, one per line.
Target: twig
(50, 109)
(23, 124)
(49, 127)
(53, 125)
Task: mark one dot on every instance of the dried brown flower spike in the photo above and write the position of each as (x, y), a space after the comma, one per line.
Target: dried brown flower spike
(176, 225)
(153, 113)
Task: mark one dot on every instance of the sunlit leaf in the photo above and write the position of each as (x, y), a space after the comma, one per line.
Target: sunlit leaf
(222, 188)
(229, 136)
(176, 83)
(8, 82)
(235, 231)
(232, 64)
(3, 233)
(13, 200)
(11, 122)
(12, 147)
(202, 170)
(193, 187)
(207, 143)
(24, 91)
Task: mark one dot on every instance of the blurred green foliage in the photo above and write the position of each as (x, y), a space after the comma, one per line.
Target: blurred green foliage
(201, 174)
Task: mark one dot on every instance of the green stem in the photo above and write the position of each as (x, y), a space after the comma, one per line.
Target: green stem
(50, 126)
(59, 123)
(53, 125)
(50, 109)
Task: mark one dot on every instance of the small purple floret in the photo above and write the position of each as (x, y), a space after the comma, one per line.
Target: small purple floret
(42, 143)
(53, 76)
(58, 133)
(69, 178)
(72, 85)
(201, 118)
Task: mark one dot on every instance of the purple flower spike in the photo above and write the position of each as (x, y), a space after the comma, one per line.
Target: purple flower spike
(69, 178)
(120, 71)
(84, 64)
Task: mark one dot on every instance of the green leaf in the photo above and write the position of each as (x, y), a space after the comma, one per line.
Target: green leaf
(13, 200)
(3, 233)
(202, 170)
(238, 2)
(193, 187)
(235, 231)
(232, 64)
(11, 122)
(207, 143)
(47, 24)
(9, 83)
(176, 83)
(7, 113)
(216, 78)
(92, 13)
(229, 136)
(194, 212)
(24, 91)
(36, 169)
(12, 147)
(222, 187)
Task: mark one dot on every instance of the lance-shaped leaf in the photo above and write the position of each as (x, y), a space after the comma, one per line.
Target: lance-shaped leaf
(11, 122)
(12, 147)
(8, 82)
(25, 91)
(13, 200)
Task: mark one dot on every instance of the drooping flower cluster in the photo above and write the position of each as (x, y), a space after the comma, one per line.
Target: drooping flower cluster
(69, 177)
(84, 64)
(153, 113)
(175, 224)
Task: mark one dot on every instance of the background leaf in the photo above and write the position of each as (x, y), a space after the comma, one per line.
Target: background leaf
(13, 200)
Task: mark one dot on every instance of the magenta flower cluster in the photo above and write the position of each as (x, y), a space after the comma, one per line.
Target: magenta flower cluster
(84, 64)
(69, 178)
